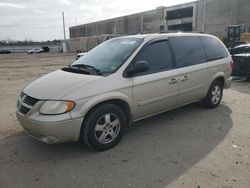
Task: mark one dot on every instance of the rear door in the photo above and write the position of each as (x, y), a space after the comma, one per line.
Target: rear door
(192, 67)
(155, 90)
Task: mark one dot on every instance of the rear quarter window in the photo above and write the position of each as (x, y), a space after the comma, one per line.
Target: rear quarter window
(213, 48)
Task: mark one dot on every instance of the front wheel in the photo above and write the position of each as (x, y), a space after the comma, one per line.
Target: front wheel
(104, 127)
(214, 95)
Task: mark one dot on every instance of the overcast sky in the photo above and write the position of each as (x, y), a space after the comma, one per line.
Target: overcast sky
(42, 19)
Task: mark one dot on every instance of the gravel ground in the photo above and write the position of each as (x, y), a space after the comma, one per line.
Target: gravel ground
(188, 147)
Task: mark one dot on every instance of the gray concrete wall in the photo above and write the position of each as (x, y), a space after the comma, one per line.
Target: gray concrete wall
(118, 26)
(219, 14)
(153, 20)
(86, 36)
(147, 22)
(133, 24)
(210, 16)
(200, 16)
(82, 43)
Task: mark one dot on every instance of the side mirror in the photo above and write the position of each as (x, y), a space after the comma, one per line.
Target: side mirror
(139, 66)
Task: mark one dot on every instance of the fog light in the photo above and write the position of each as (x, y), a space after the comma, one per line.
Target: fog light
(49, 139)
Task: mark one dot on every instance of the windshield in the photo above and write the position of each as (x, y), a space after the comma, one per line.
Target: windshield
(110, 55)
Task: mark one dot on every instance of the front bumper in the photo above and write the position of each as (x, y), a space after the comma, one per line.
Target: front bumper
(52, 132)
(228, 83)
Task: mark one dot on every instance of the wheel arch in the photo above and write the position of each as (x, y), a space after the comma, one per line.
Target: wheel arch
(218, 76)
(120, 100)
(221, 79)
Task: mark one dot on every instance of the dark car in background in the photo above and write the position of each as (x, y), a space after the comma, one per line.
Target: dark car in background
(241, 66)
(241, 58)
(46, 49)
(5, 52)
(244, 48)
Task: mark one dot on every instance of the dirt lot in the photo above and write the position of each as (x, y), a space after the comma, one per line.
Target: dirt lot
(188, 147)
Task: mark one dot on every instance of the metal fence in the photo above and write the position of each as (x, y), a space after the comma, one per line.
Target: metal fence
(26, 48)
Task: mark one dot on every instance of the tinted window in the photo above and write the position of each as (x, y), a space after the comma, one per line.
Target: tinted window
(188, 50)
(158, 56)
(213, 48)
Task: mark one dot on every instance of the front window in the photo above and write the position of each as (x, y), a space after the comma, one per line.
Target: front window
(110, 55)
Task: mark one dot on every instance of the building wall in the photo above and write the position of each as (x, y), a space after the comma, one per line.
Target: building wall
(145, 22)
(209, 16)
(153, 21)
(219, 14)
(200, 16)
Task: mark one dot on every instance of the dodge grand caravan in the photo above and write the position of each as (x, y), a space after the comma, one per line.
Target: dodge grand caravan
(121, 81)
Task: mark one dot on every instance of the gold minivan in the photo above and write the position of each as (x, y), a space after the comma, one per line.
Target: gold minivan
(124, 80)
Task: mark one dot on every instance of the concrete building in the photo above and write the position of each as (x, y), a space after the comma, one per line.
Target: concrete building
(219, 14)
(209, 16)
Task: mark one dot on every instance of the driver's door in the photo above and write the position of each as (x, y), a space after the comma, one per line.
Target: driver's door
(155, 90)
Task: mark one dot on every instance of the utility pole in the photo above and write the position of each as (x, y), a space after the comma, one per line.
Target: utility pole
(63, 27)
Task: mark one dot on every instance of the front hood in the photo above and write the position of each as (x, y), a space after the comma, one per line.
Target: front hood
(52, 85)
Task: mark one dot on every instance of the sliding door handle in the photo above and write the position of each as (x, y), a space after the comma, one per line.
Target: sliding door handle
(173, 81)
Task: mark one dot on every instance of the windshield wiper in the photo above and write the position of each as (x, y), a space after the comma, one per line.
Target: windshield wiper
(89, 67)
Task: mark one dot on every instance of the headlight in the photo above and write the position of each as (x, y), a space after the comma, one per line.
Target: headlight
(56, 107)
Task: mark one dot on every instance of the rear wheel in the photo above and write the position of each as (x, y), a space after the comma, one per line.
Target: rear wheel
(104, 127)
(214, 95)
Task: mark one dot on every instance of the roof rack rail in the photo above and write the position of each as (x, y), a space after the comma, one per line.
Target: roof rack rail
(180, 31)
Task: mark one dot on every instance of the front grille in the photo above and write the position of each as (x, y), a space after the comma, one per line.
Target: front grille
(24, 110)
(30, 100)
(26, 100)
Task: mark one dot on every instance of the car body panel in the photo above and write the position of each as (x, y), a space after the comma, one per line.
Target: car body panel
(154, 92)
(68, 130)
(241, 65)
(192, 83)
(57, 84)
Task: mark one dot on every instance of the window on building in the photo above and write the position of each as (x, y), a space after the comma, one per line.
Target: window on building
(181, 27)
(180, 13)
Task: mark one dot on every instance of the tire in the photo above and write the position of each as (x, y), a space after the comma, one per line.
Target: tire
(214, 95)
(104, 127)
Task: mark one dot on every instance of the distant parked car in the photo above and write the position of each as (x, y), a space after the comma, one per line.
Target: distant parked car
(35, 50)
(241, 58)
(80, 55)
(244, 48)
(241, 66)
(5, 52)
(45, 49)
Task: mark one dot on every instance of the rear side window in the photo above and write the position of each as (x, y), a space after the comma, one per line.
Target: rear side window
(188, 50)
(213, 48)
(158, 55)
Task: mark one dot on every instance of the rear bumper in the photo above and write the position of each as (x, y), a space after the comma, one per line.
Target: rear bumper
(52, 132)
(228, 83)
